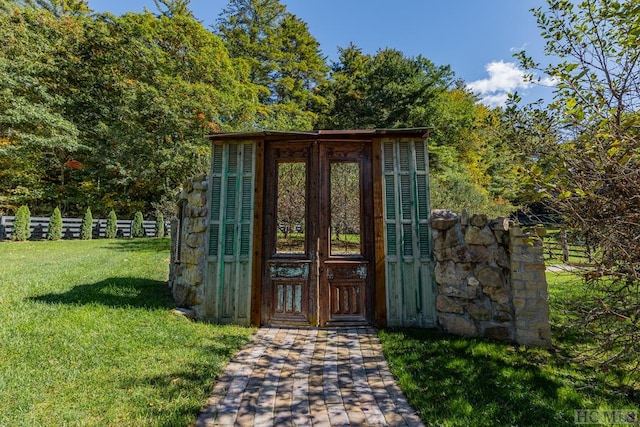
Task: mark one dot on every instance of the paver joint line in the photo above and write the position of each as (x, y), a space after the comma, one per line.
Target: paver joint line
(309, 377)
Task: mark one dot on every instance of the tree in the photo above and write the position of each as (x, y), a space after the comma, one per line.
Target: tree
(389, 90)
(22, 224)
(137, 227)
(37, 138)
(111, 230)
(284, 60)
(596, 183)
(86, 227)
(153, 88)
(55, 225)
(159, 224)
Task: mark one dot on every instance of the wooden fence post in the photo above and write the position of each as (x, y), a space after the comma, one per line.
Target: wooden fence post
(565, 248)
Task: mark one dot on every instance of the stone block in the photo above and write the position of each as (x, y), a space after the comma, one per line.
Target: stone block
(490, 276)
(515, 231)
(453, 237)
(197, 198)
(448, 273)
(183, 295)
(470, 253)
(198, 225)
(194, 240)
(446, 304)
(479, 220)
(501, 333)
(464, 217)
(464, 291)
(500, 223)
(479, 236)
(442, 219)
(196, 212)
(479, 311)
(200, 185)
(194, 276)
(501, 257)
(498, 295)
(503, 316)
(458, 325)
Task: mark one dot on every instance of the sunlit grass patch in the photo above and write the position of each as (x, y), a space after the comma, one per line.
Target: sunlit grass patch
(455, 381)
(88, 337)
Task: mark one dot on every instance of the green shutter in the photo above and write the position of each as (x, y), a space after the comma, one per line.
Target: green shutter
(410, 297)
(232, 184)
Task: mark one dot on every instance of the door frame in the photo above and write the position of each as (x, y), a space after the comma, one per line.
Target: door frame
(316, 262)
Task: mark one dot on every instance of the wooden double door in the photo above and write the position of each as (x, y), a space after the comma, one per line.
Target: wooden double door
(318, 234)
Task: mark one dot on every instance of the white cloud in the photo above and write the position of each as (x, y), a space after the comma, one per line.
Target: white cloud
(498, 100)
(503, 77)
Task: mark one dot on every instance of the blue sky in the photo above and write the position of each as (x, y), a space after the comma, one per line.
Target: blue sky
(476, 37)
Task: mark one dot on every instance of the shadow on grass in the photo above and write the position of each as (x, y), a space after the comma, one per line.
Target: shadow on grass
(139, 245)
(115, 292)
(456, 381)
(195, 378)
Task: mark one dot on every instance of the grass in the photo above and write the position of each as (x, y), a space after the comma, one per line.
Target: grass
(453, 381)
(87, 337)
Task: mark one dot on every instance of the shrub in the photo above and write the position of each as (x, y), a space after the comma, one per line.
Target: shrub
(159, 225)
(86, 230)
(22, 224)
(111, 231)
(137, 228)
(55, 225)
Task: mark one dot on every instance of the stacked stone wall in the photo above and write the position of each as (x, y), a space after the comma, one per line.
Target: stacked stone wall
(188, 237)
(490, 279)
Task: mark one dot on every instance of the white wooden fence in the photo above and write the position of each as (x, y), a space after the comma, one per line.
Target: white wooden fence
(71, 227)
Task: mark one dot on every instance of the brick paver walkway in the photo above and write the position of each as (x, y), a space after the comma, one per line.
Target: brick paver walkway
(309, 377)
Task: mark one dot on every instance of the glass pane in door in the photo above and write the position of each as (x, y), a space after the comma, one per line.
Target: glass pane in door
(291, 208)
(345, 208)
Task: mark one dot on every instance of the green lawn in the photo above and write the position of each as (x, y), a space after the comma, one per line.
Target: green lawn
(87, 337)
(452, 381)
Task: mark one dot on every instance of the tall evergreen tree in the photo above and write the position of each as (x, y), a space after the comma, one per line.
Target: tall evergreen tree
(283, 57)
(55, 225)
(22, 224)
(86, 227)
(111, 230)
(137, 227)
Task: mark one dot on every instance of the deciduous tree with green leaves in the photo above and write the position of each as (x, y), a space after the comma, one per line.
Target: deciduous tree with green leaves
(595, 184)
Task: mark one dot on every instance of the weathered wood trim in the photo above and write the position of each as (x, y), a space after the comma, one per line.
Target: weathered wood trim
(379, 232)
(258, 228)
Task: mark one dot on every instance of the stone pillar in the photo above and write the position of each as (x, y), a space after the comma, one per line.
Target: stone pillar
(529, 284)
(188, 237)
(490, 278)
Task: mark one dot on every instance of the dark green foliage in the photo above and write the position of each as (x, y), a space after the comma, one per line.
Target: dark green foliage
(55, 225)
(159, 225)
(22, 224)
(137, 228)
(283, 57)
(86, 229)
(98, 110)
(111, 231)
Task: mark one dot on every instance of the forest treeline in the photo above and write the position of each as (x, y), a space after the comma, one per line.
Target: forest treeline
(113, 112)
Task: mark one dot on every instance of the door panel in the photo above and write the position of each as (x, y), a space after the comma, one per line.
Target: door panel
(318, 234)
(346, 243)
